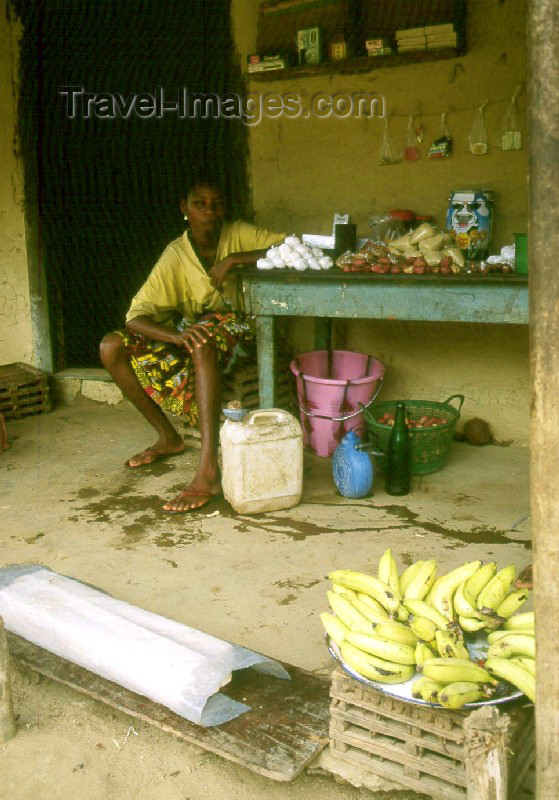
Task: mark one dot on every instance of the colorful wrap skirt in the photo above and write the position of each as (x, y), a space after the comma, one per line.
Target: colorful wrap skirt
(167, 372)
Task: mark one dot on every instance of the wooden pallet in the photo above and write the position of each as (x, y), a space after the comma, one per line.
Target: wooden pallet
(24, 390)
(242, 386)
(286, 728)
(420, 747)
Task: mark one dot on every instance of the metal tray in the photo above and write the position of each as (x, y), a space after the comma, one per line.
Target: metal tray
(477, 649)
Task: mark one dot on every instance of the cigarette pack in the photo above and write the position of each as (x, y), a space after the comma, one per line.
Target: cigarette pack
(410, 33)
(437, 29)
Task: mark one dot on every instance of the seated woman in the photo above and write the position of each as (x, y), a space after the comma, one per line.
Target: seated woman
(181, 331)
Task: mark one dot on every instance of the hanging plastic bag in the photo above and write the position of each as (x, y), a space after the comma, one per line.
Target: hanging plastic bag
(442, 145)
(388, 153)
(510, 136)
(478, 135)
(411, 150)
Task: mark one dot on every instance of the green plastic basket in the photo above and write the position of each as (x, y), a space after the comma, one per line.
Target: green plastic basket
(430, 447)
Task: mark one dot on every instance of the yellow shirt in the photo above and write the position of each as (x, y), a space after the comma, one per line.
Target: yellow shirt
(179, 286)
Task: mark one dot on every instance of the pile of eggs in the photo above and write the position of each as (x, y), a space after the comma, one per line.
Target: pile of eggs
(293, 253)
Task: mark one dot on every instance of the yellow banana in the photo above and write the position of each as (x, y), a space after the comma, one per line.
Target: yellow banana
(427, 689)
(388, 572)
(526, 663)
(408, 575)
(496, 636)
(395, 632)
(419, 608)
(373, 668)
(512, 602)
(476, 582)
(402, 615)
(422, 654)
(443, 593)
(448, 648)
(348, 614)
(334, 627)
(520, 621)
(494, 592)
(509, 671)
(453, 670)
(347, 593)
(372, 603)
(429, 597)
(456, 695)
(422, 582)
(367, 611)
(382, 648)
(423, 628)
(513, 644)
(368, 584)
(455, 632)
(471, 624)
(462, 606)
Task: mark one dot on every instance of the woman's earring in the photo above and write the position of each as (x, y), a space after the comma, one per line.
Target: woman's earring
(185, 218)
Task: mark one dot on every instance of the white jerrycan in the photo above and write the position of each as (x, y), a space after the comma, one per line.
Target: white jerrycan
(262, 461)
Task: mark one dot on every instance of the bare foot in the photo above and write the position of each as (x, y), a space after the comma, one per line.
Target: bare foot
(158, 450)
(197, 494)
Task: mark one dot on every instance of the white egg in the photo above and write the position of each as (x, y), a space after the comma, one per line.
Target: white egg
(264, 263)
(272, 252)
(285, 250)
(291, 240)
(325, 262)
(317, 252)
(278, 261)
(313, 263)
(299, 264)
(301, 248)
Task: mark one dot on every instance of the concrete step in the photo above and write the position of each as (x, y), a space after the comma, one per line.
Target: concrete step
(70, 385)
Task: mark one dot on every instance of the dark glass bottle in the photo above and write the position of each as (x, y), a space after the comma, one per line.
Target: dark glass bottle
(398, 455)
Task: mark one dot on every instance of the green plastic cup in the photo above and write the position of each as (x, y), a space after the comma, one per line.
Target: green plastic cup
(521, 252)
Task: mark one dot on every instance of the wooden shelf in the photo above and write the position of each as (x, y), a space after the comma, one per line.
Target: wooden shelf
(352, 66)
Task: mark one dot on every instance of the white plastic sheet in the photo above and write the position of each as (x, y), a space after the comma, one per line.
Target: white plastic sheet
(170, 663)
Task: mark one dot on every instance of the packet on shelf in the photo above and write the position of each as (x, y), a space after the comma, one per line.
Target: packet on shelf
(433, 243)
(425, 231)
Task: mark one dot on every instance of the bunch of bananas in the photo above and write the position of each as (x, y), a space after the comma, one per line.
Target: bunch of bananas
(390, 625)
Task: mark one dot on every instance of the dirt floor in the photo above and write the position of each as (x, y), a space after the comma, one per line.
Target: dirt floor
(68, 502)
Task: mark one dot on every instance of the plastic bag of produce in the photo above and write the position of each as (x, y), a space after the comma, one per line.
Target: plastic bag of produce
(477, 139)
(510, 136)
(442, 146)
(388, 152)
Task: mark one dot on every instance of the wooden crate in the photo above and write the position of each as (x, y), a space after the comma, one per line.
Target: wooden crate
(23, 390)
(423, 748)
(243, 387)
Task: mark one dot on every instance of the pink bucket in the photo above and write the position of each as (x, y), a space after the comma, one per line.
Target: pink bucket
(330, 384)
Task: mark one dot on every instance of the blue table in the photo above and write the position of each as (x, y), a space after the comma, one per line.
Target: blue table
(331, 294)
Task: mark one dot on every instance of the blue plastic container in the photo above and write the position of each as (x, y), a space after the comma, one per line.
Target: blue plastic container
(352, 468)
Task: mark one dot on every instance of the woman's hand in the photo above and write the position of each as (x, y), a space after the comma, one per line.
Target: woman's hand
(194, 336)
(219, 272)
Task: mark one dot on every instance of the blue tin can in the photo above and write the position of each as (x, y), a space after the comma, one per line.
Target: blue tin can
(470, 220)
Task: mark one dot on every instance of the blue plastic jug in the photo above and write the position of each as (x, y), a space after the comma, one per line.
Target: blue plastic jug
(352, 468)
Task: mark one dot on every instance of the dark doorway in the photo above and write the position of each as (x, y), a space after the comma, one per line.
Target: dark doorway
(106, 190)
